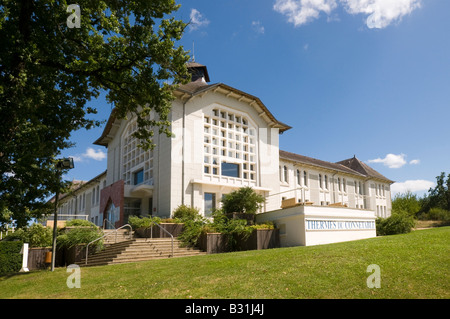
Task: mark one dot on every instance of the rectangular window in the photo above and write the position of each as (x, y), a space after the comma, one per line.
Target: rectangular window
(230, 169)
(210, 203)
(138, 177)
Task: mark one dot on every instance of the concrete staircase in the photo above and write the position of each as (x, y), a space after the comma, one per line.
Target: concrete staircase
(139, 249)
(116, 237)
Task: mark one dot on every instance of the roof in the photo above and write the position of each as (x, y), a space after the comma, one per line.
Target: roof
(351, 166)
(195, 65)
(78, 185)
(200, 87)
(318, 163)
(359, 166)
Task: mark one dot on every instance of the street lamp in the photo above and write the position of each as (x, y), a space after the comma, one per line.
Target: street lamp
(64, 163)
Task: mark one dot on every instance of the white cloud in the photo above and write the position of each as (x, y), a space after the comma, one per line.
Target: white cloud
(381, 13)
(418, 185)
(257, 27)
(303, 11)
(77, 158)
(414, 162)
(197, 20)
(391, 160)
(97, 155)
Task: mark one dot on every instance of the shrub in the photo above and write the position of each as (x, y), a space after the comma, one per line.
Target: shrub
(266, 225)
(184, 212)
(138, 222)
(35, 235)
(80, 235)
(79, 223)
(193, 228)
(397, 223)
(10, 257)
(436, 214)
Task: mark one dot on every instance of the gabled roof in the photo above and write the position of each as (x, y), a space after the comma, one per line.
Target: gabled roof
(359, 166)
(198, 88)
(351, 166)
(318, 163)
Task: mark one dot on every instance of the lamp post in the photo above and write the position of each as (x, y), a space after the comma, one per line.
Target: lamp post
(65, 163)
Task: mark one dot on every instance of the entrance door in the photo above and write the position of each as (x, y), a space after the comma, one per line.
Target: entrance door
(111, 216)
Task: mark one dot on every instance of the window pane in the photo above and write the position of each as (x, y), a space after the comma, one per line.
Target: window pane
(210, 203)
(138, 177)
(230, 169)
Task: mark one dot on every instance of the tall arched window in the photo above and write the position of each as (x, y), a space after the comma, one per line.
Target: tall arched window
(285, 174)
(136, 161)
(229, 145)
(305, 178)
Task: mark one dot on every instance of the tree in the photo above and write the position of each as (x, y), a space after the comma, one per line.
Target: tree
(51, 67)
(406, 202)
(439, 196)
(244, 200)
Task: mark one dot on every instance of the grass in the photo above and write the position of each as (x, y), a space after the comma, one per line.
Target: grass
(414, 265)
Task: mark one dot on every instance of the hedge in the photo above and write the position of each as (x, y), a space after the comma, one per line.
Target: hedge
(10, 257)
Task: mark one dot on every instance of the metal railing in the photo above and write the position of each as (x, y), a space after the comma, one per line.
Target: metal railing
(165, 230)
(107, 220)
(114, 231)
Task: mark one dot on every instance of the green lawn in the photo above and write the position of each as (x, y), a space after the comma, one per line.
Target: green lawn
(415, 265)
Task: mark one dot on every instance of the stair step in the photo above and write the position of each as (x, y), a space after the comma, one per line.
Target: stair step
(139, 249)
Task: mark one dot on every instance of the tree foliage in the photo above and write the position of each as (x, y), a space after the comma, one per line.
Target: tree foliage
(407, 202)
(49, 72)
(243, 200)
(439, 196)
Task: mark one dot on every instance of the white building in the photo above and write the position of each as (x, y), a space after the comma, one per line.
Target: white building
(223, 139)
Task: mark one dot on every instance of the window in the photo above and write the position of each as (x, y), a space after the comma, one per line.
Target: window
(339, 183)
(298, 177)
(133, 157)
(230, 169)
(326, 182)
(344, 185)
(320, 181)
(228, 141)
(138, 177)
(285, 174)
(210, 203)
(305, 178)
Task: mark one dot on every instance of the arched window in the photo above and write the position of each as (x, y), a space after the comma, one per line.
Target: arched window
(285, 173)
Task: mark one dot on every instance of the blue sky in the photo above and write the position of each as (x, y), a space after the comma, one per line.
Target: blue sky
(369, 78)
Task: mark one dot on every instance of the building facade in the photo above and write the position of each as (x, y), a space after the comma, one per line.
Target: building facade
(223, 139)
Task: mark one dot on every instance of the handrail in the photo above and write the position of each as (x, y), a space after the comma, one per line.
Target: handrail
(107, 220)
(115, 231)
(151, 234)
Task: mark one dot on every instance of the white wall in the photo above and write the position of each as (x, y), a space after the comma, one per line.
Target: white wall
(332, 225)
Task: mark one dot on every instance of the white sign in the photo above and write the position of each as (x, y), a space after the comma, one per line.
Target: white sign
(339, 224)
(24, 251)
